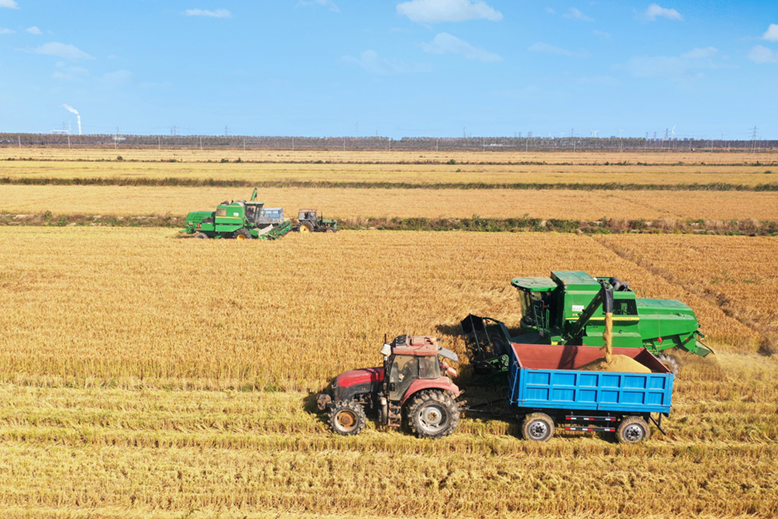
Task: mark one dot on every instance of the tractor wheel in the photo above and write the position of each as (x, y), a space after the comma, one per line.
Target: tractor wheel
(347, 418)
(330, 230)
(306, 228)
(242, 234)
(201, 236)
(433, 414)
(670, 362)
(538, 427)
(633, 429)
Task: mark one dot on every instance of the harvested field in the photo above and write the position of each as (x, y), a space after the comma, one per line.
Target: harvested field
(398, 203)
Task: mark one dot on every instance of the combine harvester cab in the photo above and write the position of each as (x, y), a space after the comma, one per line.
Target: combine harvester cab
(240, 220)
(566, 309)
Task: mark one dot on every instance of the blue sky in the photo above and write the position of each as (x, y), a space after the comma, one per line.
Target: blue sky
(440, 68)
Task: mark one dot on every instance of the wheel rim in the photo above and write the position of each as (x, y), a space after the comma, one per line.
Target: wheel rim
(538, 429)
(241, 237)
(304, 229)
(433, 418)
(346, 420)
(633, 433)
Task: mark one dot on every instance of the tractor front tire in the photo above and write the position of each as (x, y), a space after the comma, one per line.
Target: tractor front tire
(242, 234)
(347, 418)
(633, 429)
(330, 230)
(201, 236)
(433, 414)
(538, 427)
(670, 362)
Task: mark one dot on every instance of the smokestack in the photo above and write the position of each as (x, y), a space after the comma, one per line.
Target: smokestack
(74, 111)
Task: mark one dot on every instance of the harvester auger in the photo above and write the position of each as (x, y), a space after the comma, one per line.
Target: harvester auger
(566, 309)
(240, 220)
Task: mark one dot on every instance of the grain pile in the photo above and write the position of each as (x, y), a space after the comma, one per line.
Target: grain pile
(611, 362)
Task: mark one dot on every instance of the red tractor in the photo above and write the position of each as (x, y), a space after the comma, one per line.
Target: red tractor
(417, 384)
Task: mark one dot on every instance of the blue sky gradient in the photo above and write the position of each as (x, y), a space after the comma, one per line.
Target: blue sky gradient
(439, 68)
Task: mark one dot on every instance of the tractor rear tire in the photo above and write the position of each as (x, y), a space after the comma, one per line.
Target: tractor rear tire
(670, 362)
(347, 418)
(306, 228)
(201, 236)
(633, 429)
(433, 414)
(242, 234)
(538, 427)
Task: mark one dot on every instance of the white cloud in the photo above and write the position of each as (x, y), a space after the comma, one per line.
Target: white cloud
(34, 30)
(61, 50)
(218, 13)
(688, 65)
(772, 33)
(435, 11)
(761, 54)
(545, 48)
(654, 11)
(550, 10)
(375, 64)
(325, 3)
(9, 4)
(601, 34)
(575, 14)
(6, 31)
(706, 53)
(445, 43)
(69, 73)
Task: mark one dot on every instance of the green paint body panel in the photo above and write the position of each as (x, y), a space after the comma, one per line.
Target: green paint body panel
(552, 306)
(229, 217)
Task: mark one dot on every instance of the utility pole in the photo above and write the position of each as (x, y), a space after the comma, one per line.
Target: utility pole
(20, 141)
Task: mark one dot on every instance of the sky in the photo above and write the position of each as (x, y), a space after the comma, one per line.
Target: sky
(434, 68)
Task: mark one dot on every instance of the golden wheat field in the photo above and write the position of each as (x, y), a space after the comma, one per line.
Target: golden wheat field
(343, 203)
(398, 167)
(147, 375)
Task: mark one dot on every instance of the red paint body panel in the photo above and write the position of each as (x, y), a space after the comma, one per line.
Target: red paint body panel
(360, 376)
(443, 383)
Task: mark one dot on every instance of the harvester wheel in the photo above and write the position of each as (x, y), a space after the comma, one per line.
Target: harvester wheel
(538, 427)
(633, 429)
(670, 362)
(306, 228)
(242, 234)
(201, 236)
(433, 414)
(347, 418)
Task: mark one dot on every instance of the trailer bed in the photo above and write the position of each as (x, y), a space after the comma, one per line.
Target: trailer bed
(543, 376)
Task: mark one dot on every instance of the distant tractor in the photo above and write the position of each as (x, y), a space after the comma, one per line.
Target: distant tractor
(310, 222)
(417, 387)
(240, 220)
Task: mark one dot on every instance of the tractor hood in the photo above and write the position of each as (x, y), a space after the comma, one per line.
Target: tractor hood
(359, 376)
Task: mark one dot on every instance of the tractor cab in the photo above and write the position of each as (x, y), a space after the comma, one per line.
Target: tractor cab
(411, 359)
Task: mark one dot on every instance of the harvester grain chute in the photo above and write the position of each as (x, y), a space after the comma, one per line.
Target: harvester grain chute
(240, 220)
(566, 309)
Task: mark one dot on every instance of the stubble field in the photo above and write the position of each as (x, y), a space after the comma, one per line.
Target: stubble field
(147, 375)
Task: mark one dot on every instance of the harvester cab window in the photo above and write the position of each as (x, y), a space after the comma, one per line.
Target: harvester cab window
(252, 214)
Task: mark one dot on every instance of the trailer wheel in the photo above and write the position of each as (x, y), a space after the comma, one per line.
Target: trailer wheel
(538, 427)
(201, 236)
(433, 414)
(670, 362)
(347, 418)
(242, 234)
(633, 429)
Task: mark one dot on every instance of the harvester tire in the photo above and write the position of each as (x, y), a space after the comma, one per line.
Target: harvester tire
(201, 236)
(633, 429)
(306, 228)
(242, 234)
(670, 363)
(433, 414)
(538, 427)
(347, 418)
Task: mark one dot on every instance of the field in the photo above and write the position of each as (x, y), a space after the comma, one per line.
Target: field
(143, 374)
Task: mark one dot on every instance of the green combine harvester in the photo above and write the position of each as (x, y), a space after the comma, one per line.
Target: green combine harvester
(240, 220)
(567, 309)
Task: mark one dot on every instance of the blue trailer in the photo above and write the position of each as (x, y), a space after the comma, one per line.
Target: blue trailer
(546, 389)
